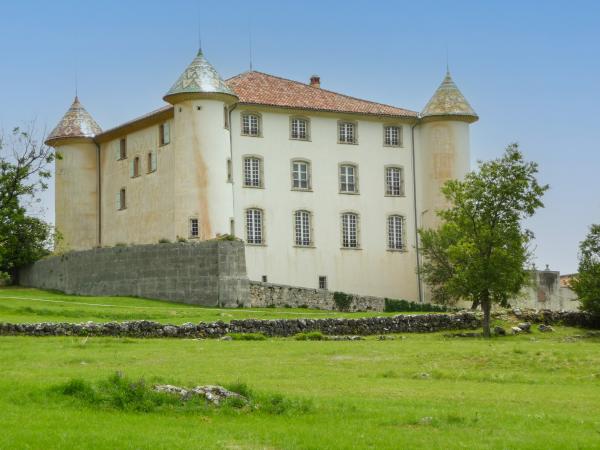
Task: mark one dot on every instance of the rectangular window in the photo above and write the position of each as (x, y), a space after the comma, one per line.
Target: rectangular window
(152, 162)
(134, 169)
(123, 149)
(121, 199)
(347, 132)
(348, 178)
(254, 226)
(229, 171)
(392, 136)
(349, 230)
(303, 231)
(226, 117)
(322, 282)
(250, 125)
(252, 172)
(394, 181)
(396, 232)
(264, 278)
(299, 129)
(300, 175)
(165, 133)
(194, 228)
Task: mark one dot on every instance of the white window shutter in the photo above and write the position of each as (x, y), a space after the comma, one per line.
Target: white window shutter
(117, 153)
(119, 200)
(153, 161)
(167, 132)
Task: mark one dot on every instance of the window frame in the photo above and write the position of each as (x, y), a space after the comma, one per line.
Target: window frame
(259, 123)
(356, 227)
(262, 226)
(356, 179)
(162, 141)
(191, 234)
(136, 165)
(400, 135)
(354, 123)
(309, 215)
(402, 181)
(308, 187)
(152, 161)
(389, 239)
(307, 131)
(261, 172)
(325, 285)
(122, 199)
(122, 149)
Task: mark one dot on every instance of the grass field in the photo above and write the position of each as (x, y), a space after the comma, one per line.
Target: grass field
(416, 391)
(33, 305)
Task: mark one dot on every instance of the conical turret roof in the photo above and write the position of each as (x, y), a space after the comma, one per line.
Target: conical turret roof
(449, 101)
(200, 77)
(75, 124)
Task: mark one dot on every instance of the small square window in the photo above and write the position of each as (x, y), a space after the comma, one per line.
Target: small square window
(264, 278)
(322, 282)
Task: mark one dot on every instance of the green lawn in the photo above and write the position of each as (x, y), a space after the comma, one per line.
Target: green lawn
(416, 391)
(33, 305)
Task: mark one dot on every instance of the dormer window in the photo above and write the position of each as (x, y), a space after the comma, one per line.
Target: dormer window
(164, 131)
(251, 124)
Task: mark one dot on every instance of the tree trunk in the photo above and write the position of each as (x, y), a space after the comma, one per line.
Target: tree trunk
(486, 306)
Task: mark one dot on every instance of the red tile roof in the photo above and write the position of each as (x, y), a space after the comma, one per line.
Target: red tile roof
(263, 89)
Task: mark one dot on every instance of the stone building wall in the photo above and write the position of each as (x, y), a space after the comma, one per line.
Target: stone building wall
(209, 273)
(546, 292)
(264, 295)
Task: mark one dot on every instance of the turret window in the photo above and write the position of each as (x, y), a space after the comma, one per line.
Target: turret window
(392, 136)
(254, 226)
(347, 133)
(164, 131)
(251, 125)
(394, 181)
(253, 172)
(396, 232)
(348, 179)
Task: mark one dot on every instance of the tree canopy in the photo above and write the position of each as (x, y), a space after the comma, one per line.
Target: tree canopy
(479, 253)
(587, 282)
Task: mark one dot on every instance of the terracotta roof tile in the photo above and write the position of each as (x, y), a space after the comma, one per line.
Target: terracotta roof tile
(264, 89)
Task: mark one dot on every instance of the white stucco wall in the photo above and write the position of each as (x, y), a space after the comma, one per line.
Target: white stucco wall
(372, 269)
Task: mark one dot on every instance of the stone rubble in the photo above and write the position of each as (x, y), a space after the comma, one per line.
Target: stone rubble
(212, 393)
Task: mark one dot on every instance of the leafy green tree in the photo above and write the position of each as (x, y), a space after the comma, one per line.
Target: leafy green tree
(480, 250)
(24, 174)
(587, 282)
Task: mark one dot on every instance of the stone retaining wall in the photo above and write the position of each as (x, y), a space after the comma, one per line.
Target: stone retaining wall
(281, 296)
(285, 327)
(210, 273)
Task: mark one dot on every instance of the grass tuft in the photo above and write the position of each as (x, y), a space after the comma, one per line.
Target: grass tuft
(310, 336)
(248, 336)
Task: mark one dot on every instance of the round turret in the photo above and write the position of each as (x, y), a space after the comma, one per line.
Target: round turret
(76, 178)
(444, 152)
(203, 188)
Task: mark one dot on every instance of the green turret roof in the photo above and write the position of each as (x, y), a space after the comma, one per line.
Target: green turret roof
(76, 123)
(449, 101)
(200, 77)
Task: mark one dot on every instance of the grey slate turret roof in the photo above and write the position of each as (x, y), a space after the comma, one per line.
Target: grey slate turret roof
(199, 77)
(76, 123)
(449, 101)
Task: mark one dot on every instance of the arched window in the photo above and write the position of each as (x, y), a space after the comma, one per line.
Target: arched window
(395, 226)
(350, 230)
(348, 178)
(301, 175)
(303, 228)
(254, 226)
(253, 171)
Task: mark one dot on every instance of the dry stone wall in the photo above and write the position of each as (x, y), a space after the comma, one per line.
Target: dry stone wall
(264, 295)
(209, 273)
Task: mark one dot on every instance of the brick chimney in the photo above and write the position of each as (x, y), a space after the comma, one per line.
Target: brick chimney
(315, 81)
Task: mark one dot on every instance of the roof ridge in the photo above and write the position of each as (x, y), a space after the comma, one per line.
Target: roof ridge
(320, 89)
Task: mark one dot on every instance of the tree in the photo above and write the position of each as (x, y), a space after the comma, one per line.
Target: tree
(23, 175)
(480, 250)
(587, 282)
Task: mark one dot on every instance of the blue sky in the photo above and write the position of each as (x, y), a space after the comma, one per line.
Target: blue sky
(530, 69)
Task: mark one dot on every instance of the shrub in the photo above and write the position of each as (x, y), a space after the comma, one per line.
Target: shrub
(120, 244)
(342, 301)
(4, 279)
(248, 336)
(181, 239)
(392, 305)
(310, 336)
(164, 241)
